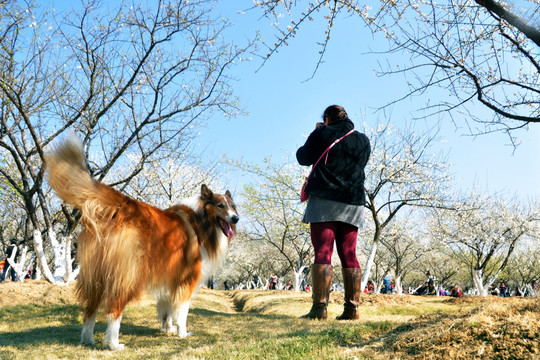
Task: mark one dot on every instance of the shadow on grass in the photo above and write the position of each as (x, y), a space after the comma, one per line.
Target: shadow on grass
(65, 334)
(26, 317)
(23, 331)
(68, 317)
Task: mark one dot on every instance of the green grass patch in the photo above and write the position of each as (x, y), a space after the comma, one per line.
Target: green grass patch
(226, 325)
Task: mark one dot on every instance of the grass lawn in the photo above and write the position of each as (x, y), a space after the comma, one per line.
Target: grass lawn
(42, 321)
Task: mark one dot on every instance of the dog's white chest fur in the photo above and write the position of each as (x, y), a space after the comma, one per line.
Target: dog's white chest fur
(209, 264)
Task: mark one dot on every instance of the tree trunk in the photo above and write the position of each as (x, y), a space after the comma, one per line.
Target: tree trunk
(298, 278)
(41, 259)
(378, 287)
(63, 273)
(479, 283)
(38, 268)
(70, 273)
(369, 264)
(59, 251)
(10, 262)
(20, 268)
(399, 289)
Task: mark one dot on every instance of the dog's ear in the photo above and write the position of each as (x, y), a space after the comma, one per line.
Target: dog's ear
(228, 193)
(206, 193)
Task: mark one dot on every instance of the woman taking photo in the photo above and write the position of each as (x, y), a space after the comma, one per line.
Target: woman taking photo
(335, 206)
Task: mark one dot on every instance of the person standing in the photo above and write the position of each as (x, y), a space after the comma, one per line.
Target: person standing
(273, 281)
(502, 290)
(386, 284)
(12, 250)
(335, 205)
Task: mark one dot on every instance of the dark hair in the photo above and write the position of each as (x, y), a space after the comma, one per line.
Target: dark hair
(335, 112)
(13, 241)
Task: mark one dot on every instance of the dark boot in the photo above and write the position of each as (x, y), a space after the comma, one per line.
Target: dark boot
(351, 280)
(321, 277)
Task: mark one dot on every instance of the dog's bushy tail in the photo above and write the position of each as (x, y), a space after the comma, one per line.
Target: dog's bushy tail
(68, 176)
(67, 173)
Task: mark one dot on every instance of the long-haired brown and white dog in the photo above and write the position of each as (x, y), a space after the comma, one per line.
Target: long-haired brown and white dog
(127, 246)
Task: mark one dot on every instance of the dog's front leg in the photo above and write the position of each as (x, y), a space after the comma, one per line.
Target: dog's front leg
(181, 319)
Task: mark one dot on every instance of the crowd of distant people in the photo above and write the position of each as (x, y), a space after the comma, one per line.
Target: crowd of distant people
(427, 288)
(273, 283)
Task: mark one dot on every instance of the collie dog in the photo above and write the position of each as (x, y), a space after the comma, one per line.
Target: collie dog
(127, 246)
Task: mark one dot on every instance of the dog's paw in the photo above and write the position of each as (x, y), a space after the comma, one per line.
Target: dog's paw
(184, 334)
(169, 329)
(88, 341)
(117, 347)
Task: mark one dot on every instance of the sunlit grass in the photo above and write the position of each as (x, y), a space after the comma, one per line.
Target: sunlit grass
(225, 325)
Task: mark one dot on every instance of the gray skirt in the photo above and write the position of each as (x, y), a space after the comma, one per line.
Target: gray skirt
(324, 210)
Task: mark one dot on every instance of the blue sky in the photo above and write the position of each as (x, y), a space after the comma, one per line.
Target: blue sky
(282, 107)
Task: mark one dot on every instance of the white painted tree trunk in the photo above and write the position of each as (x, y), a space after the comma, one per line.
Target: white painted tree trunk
(62, 274)
(70, 274)
(398, 287)
(30, 264)
(479, 283)
(298, 277)
(59, 251)
(42, 260)
(38, 268)
(18, 267)
(378, 287)
(369, 264)
(21, 268)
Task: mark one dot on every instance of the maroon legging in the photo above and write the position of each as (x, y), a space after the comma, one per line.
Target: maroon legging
(323, 235)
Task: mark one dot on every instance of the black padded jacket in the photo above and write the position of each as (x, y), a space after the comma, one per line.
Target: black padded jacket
(342, 177)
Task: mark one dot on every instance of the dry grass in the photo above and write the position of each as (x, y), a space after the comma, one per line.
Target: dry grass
(41, 321)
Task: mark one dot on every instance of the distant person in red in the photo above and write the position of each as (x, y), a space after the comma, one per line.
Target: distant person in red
(456, 292)
(273, 282)
(370, 287)
(335, 206)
